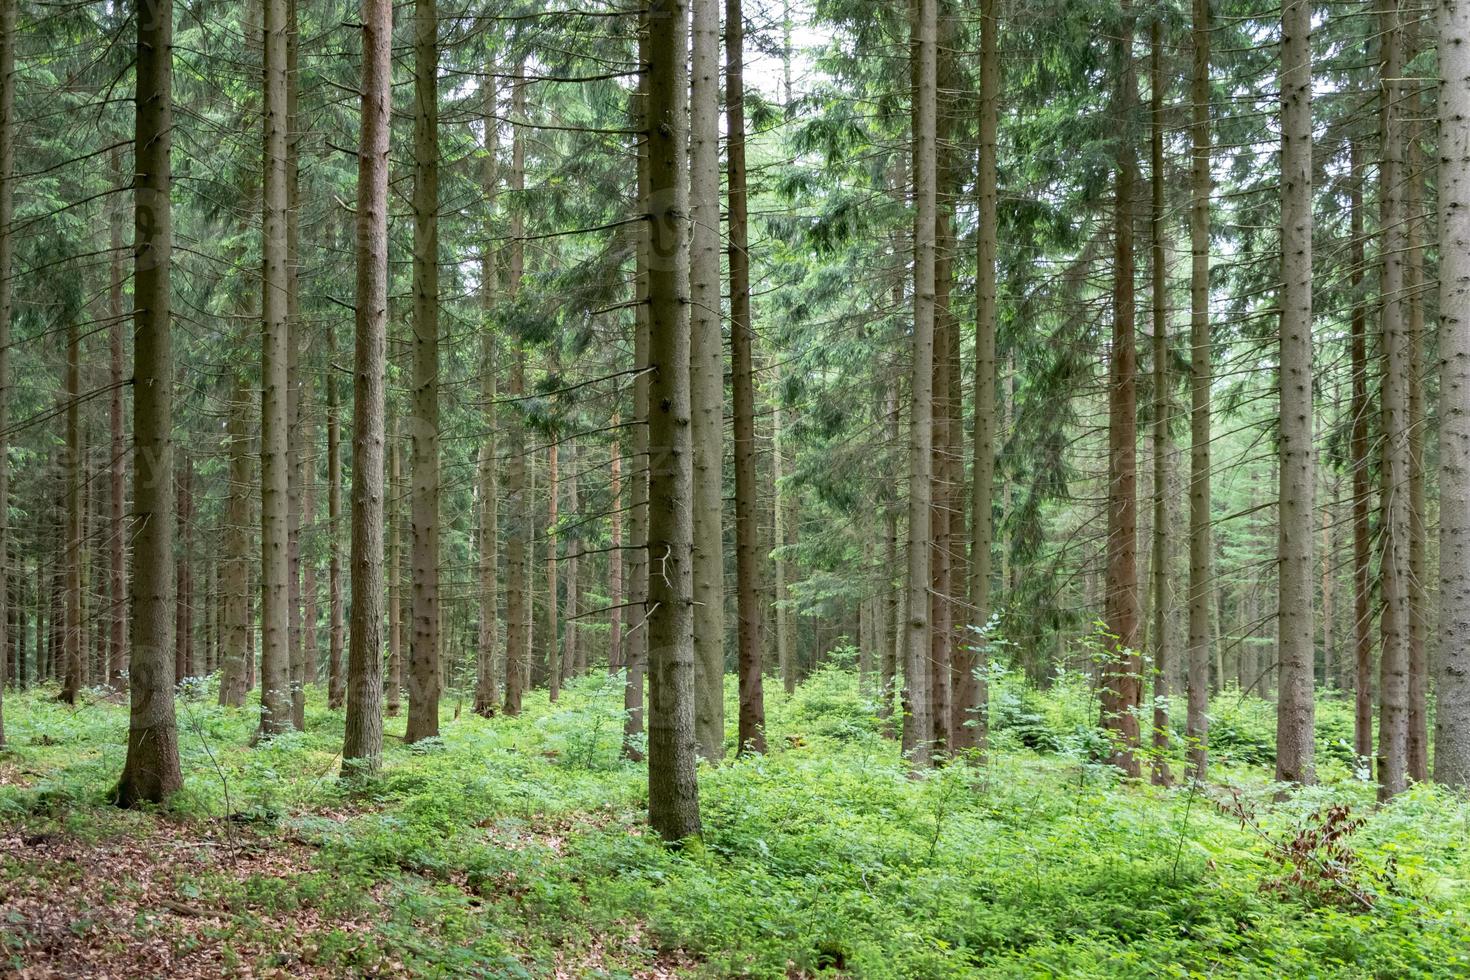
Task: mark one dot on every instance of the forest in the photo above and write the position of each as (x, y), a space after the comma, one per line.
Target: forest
(790, 489)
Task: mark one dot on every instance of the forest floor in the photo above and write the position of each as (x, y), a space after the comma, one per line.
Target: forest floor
(515, 848)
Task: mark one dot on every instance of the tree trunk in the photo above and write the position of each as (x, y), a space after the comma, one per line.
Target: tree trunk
(1163, 447)
(336, 675)
(363, 741)
(1418, 746)
(1452, 717)
(918, 728)
(184, 664)
(1295, 628)
(971, 719)
(572, 653)
(707, 380)
(423, 649)
(752, 735)
(294, 401)
(7, 251)
(71, 637)
(552, 638)
(275, 679)
(517, 500)
(394, 682)
(235, 576)
(673, 792)
(1362, 487)
(783, 512)
(1394, 623)
(118, 466)
(615, 553)
(635, 649)
(486, 694)
(1123, 670)
(151, 772)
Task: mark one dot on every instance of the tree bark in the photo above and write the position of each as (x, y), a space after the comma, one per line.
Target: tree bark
(1361, 464)
(336, 674)
(235, 575)
(615, 554)
(635, 647)
(971, 719)
(7, 252)
(184, 663)
(71, 636)
(423, 650)
(552, 638)
(1394, 623)
(673, 792)
(275, 653)
(573, 662)
(1452, 717)
(517, 500)
(1163, 446)
(707, 380)
(363, 740)
(1123, 669)
(118, 466)
(783, 512)
(487, 696)
(151, 772)
(1418, 745)
(394, 680)
(752, 723)
(1294, 623)
(918, 728)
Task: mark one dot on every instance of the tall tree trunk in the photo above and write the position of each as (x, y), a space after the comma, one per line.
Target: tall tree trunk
(783, 513)
(184, 664)
(118, 467)
(1452, 717)
(423, 649)
(1123, 671)
(275, 679)
(1418, 747)
(552, 638)
(894, 651)
(707, 380)
(517, 500)
(971, 719)
(487, 695)
(946, 388)
(235, 576)
(1295, 628)
(1163, 447)
(673, 792)
(635, 647)
(7, 251)
(1201, 379)
(573, 656)
(336, 674)
(1362, 487)
(615, 552)
(151, 772)
(294, 400)
(752, 734)
(1394, 623)
(394, 681)
(72, 544)
(363, 741)
(918, 728)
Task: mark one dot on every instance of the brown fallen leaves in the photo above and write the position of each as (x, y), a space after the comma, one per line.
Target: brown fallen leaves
(116, 908)
(126, 904)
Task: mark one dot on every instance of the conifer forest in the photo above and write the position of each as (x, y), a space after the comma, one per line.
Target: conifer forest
(735, 488)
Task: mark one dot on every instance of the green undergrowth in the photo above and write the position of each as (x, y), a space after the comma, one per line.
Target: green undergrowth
(515, 847)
